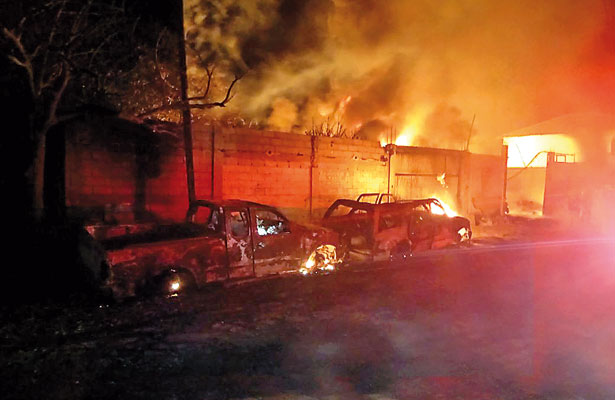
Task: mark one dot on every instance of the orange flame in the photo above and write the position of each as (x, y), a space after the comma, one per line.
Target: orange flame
(413, 124)
(531, 151)
(324, 258)
(446, 210)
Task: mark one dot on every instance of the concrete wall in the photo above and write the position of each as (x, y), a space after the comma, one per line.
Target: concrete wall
(290, 171)
(473, 183)
(581, 194)
(525, 190)
(483, 181)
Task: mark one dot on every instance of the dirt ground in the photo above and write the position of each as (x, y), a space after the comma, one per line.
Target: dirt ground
(505, 320)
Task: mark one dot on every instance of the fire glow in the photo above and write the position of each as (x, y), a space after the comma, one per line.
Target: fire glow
(324, 258)
(531, 151)
(445, 210)
(413, 125)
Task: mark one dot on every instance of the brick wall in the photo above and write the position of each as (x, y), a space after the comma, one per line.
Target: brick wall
(97, 173)
(262, 166)
(274, 168)
(291, 171)
(345, 168)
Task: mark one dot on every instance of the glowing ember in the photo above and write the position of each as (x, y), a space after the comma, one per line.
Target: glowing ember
(324, 258)
(442, 179)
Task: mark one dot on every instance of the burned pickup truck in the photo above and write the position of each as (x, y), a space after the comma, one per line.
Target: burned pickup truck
(394, 231)
(219, 241)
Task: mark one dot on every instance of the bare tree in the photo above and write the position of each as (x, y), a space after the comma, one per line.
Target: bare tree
(166, 81)
(67, 51)
(73, 52)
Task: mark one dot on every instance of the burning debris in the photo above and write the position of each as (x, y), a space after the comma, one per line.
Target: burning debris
(442, 180)
(324, 258)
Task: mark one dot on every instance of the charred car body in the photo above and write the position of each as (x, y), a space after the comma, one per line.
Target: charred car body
(394, 230)
(219, 241)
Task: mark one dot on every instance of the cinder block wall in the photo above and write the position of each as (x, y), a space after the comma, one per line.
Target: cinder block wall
(98, 174)
(345, 168)
(274, 168)
(262, 166)
(291, 171)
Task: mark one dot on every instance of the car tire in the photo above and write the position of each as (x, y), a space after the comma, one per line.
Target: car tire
(401, 253)
(174, 281)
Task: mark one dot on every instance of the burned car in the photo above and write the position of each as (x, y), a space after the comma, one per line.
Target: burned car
(395, 231)
(218, 241)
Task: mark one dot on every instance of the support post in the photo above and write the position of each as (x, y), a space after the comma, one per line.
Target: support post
(389, 150)
(186, 113)
(504, 185)
(213, 160)
(312, 160)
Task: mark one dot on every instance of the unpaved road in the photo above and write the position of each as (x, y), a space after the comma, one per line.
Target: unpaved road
(510, 321)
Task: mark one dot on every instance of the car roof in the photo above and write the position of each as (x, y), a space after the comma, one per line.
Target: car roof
(382, 206)
(231, 203)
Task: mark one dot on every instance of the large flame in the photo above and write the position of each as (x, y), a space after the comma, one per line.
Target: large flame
(448, 210)
(413, 125)
(531, 151)
(494, 60)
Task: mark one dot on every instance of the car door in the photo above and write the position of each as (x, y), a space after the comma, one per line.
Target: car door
(421, 230)
(276, 247)
(239, 243)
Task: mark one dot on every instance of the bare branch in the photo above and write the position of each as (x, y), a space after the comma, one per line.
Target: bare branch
(52, 77)
(26, 62)
(165, 107)
(100, 46)
(210, 74)
(179, 105)
(222, 103)
(42, 83)
(17, 61)
(53, 107)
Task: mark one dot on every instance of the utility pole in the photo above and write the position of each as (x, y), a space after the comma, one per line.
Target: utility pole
(186, 113)
(470, 134)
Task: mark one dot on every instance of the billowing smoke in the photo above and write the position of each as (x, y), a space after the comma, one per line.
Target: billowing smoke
(421, 67)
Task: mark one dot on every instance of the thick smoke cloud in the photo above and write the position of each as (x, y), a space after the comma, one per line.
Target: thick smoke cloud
(378, 66)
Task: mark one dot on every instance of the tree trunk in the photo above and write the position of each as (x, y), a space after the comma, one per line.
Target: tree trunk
(36, 178)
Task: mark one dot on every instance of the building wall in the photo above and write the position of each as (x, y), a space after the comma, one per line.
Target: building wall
(468, 183)
(525, 190)
(294, 172)
(581, 194)
(97, 173)
(420, 172)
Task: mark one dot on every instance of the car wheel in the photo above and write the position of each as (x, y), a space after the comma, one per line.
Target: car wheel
(174, 282)
(401, 253)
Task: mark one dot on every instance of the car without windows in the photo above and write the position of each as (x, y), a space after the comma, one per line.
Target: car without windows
(394, 231)
(218, 241)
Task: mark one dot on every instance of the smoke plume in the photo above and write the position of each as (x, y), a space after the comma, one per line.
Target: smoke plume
(412, 66)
